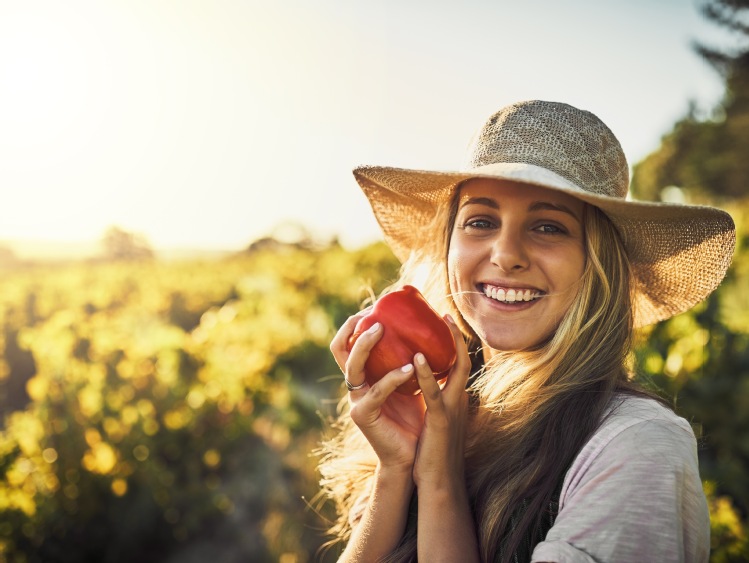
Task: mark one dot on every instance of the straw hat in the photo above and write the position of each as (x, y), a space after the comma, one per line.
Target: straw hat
(679, 253)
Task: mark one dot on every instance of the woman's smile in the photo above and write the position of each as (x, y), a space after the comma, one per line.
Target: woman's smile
(515, 259)
(505, 294)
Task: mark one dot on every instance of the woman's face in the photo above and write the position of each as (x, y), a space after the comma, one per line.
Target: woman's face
(515, 260)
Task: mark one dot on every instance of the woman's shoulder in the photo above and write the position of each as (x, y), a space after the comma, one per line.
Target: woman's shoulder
(638, 430)
(627, 409)
(633, 493)
(633, 487)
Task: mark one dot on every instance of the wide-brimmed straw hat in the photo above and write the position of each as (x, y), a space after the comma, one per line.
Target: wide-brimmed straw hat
(679, 253)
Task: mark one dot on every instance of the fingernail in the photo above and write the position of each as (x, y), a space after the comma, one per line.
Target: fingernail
(407, 368)
(449, 318)
(374, 328)
(420, 359)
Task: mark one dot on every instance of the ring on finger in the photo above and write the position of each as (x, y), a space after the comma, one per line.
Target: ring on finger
(354, 387)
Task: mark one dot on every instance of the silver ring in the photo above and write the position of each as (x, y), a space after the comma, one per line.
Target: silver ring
(354, 387)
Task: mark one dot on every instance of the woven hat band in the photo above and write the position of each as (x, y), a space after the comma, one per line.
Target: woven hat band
(574, 144)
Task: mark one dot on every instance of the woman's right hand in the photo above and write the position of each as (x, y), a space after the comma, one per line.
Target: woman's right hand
(390, 421)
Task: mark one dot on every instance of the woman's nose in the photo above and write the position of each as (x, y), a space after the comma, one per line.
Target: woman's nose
(509, 252)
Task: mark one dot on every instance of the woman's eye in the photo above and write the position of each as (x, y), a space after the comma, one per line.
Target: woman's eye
(478, 224)
(549, 229)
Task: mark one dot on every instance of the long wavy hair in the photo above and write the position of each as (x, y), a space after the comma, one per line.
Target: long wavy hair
(533, 410)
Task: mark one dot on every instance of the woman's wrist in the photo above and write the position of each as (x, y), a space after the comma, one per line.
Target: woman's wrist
(448, 493)
(446, 529)
(395, 474)
(384, 520)
(440, 479)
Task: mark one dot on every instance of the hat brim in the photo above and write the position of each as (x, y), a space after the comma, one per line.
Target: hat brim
(679, 253)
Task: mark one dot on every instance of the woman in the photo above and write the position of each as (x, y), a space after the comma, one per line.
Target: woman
(538, 447)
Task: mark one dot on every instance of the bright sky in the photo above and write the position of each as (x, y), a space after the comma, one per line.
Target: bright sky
(208, 122)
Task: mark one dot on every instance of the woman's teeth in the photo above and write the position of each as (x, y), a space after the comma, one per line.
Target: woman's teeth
(510, 295)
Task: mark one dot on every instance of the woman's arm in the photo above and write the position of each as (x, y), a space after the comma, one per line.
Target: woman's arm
(419, 441)
(446, 530)
(384, 520)
(391, 422)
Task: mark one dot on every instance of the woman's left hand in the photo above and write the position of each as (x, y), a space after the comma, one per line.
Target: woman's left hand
(441, 447)
(445, 526)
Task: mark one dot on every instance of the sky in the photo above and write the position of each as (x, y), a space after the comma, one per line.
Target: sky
(209, 123)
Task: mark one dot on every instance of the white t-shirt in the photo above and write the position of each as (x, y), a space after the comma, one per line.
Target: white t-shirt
(633, 493)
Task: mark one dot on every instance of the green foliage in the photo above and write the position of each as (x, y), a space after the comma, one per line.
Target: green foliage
(697, 157)
(165, 412)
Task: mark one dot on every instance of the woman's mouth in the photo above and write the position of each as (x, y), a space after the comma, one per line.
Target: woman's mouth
(510, 295)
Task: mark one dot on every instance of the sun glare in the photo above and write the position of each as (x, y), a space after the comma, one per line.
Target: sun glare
(44, 82)
(52, 98)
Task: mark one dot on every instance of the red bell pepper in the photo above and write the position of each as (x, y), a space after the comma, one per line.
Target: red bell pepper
(409, 325)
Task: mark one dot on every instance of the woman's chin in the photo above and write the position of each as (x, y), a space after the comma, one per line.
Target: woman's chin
(512, 341)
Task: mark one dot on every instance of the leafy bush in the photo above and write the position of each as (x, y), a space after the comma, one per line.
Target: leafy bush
(165, 412)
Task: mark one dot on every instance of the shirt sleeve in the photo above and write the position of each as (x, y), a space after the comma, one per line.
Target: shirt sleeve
(633, 494)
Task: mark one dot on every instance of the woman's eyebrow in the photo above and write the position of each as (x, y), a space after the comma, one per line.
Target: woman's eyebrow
(535, 206)
(489, 202)
(548, 206)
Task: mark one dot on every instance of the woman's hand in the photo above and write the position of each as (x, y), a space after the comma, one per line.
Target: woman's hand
(418, 440)
(391, 422)
(445, 526)
(441, 447)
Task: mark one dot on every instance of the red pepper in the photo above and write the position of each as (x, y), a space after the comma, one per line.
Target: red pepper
(410, 325)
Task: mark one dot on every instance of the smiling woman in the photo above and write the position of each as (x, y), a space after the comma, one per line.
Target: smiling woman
(539, 446)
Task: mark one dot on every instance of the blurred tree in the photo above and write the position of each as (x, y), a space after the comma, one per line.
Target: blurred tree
(289, 235)
(18, 367)
(8, 258)
(707, 158)
(119, 244)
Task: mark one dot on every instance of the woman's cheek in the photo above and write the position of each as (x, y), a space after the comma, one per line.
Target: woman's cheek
(453, 277)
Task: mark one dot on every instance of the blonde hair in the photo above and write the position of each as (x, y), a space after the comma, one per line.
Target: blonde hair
(534, 410)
